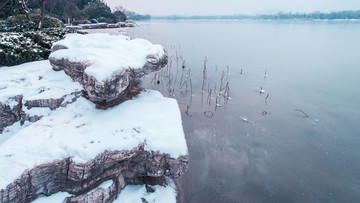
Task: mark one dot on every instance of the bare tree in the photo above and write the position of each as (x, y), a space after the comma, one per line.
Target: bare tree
(120, 8)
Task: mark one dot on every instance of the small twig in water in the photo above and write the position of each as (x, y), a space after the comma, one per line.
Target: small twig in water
(187, 111)
(221, 81)
(153, 78)
(183, 85)
(227, 73)
(181, 79)
(267, 96)
(302, 112)
(191, 87)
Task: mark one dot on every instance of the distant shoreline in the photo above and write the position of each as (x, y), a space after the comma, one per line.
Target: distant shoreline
(316, 15)
(248, 19)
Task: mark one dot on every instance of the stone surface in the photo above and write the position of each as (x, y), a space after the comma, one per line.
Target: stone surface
(9, 115)
(106, 91)
(29, 89)
(122, 167)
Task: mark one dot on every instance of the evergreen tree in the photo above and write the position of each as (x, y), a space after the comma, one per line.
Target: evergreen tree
(96, 9)
(9, 8)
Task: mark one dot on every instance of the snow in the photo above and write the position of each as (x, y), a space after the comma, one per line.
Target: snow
(134, 193)
(31, 78)
(55, 198)
(11, 102)
(79, 130)
(104, 54)
(104, 185)
(9, 131)
(37, 111)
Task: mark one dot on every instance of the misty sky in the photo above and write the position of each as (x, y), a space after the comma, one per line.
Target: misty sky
(206, 7)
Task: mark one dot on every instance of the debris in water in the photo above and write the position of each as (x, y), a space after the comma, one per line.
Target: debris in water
(245, 120)
(208, 114)
(266, 96)
(262, 90)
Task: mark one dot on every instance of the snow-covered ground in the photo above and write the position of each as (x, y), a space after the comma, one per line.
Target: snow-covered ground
(106, 53)
(79, 130)
(34, 80)
(161, 194)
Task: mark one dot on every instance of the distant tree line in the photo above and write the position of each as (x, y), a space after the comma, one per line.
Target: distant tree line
(281, 15)
(135, 16)
(314, 15)
(64, 9)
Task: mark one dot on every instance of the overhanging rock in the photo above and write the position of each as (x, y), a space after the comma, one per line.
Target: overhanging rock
(106, 65)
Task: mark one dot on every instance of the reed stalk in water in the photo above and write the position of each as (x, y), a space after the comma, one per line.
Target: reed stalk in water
(204, 74)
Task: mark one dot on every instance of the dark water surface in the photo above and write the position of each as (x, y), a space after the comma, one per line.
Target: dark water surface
(279, 154)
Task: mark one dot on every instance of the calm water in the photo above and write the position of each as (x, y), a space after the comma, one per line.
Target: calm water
(282, 156)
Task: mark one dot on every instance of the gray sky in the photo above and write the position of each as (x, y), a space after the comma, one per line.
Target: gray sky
(205, 7)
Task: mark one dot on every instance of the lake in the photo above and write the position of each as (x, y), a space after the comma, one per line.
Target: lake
(298, 141)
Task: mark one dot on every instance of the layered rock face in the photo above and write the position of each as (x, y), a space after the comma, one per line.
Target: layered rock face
(118, 73)
(123, 167)
(53, 139)
(32, 90)
(10, 114)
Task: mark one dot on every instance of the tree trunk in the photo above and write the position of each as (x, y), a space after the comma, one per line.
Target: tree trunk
(25, 9)
(42, 13)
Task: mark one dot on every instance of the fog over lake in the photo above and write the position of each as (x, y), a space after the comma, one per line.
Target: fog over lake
(225, 7)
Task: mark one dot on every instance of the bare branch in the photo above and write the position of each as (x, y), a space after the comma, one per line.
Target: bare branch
(4, 4)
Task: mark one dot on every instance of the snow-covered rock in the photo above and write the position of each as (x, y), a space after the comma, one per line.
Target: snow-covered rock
(31, 85)
(75, 147)
(141, 193)
(130, 194)
(106, 65)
